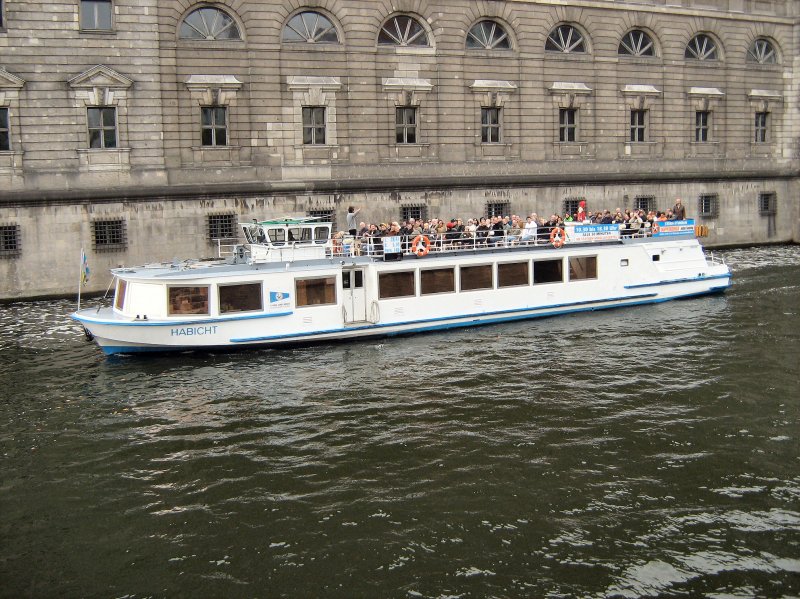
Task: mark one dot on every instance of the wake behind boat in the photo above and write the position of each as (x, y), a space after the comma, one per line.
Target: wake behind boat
(291, 282)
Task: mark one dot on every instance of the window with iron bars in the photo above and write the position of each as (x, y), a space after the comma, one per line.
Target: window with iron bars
(10, 241)
(109, 235)
(419, 212)
(571, 205)
(498, 209)
(222, 226)
(708, 205)
(324, 216)
(767, 203)
(646, 203)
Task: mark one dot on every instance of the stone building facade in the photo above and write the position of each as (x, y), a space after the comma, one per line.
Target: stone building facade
(143, 130)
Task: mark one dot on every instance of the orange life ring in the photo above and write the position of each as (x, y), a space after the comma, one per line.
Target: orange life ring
(421, 246)
(557, 237)
(655, 228)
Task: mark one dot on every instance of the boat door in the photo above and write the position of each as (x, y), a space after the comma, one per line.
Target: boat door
(354, 298)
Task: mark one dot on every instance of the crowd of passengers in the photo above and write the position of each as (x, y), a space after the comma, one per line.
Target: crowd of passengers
(502, 230)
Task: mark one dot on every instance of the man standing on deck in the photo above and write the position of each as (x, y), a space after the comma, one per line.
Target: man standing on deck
(351, 220)
(679, 210)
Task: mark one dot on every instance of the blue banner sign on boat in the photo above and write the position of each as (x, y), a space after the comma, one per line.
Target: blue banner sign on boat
(673, 227)
(586, 233)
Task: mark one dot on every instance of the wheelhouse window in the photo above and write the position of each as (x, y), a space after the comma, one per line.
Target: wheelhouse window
(315, 292)
(582, 267)
(437, 280)
(10, 242)
(403, 30)
(565, 39)
(102, 122)
(214, 126)
(701, 47)
(636, 43)
(512, 274)
(567, 124)
(488, 35)
(702, 120)
(188, 300)
(761, 127)
(109, 235)
(245, 297)
(476, 277)
(310, 27)
(209, 24)
(548, 271)
(638, 132)
(762, 52)
(5, 131)
(396, 284)
(490, 125)
(406, 124)
(119, 297)
(313, 125)
(96, 15)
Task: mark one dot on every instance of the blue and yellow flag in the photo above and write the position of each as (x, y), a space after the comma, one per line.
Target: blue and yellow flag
(84, 268)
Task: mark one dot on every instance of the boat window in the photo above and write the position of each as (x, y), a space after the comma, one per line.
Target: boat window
(188, 300)
(437, 280)
(476, 277)
(396, 284)
(321, 234)
(548, 271)
(119, 300)
(512, 274)
(277, 235)
(299, 234)
(315, 292)
(353, 282)
(246, 297)
(582, 267)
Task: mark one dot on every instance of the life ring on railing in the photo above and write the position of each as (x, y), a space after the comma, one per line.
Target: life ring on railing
(557, 237)
(655, 228)
(421, 246)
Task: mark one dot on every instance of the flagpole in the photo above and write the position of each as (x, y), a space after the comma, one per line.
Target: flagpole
(80, 279)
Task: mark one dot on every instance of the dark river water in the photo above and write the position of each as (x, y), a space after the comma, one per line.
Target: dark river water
(646, 452)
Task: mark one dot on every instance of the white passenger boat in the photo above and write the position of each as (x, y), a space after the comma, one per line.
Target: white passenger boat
(292, 283)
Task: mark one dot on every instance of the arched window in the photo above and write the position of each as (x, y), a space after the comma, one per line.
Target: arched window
(488, 35)
(209, 24)
(702, 47)
(763, 52)
(636, 43)
(403, 31)
(311, 27)
(566, 39)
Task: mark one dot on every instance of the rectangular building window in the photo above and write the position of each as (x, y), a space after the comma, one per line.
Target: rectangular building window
(767, 203)
(498, 209)
(405, 124)
(567, 124)
(638, 126)
(222, 226)
(396, 284)
(109, 235)
(571, 205)
(214, 126)
(315, 292)
(245, 297)
(702, 121)
(582, 267)
(548, 271)
(416, 212)
(10, 242)
(314, 125)
(490, 125)
(5, 131)
(646, 203)
(96, 15)
(437, 280)
(188, 300)
(761, 127)
(476, 277)
(512, 274)
(102, 127)
(708, 205)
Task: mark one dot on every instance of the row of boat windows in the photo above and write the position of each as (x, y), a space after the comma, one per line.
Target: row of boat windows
(320, 291)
